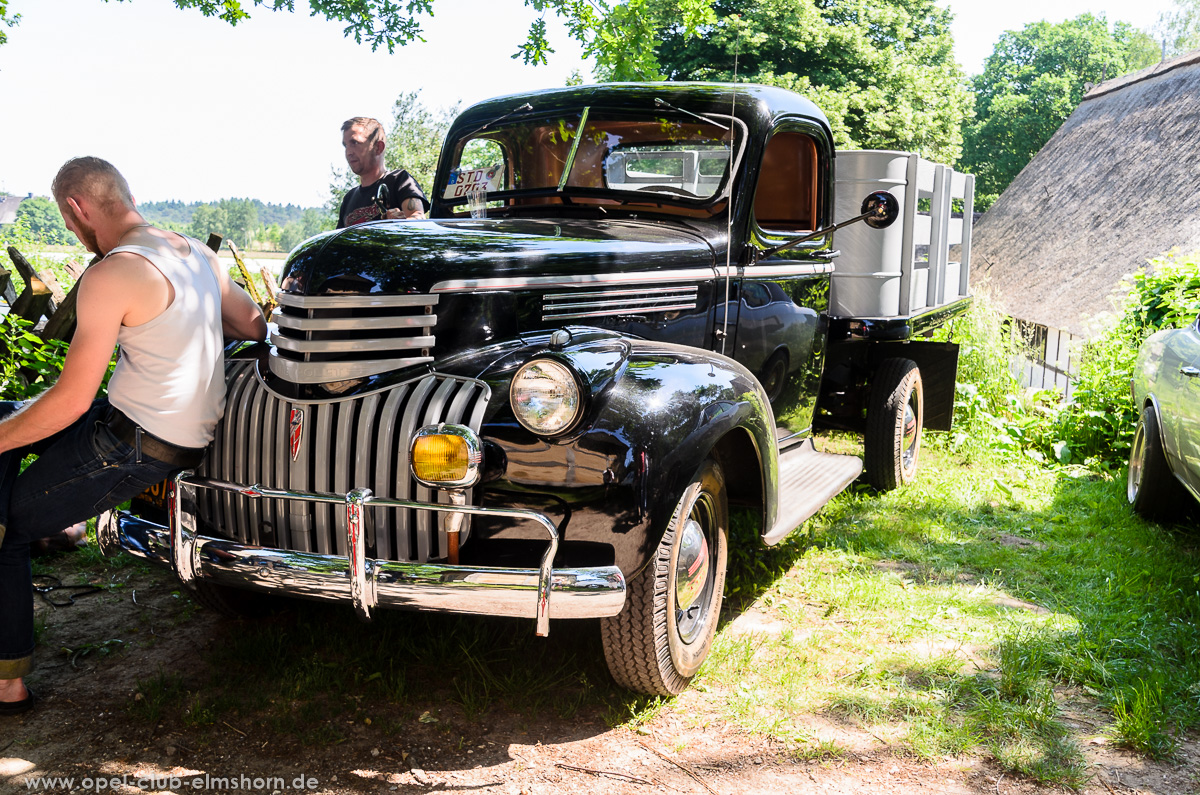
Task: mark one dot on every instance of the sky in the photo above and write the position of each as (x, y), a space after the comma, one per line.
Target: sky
(190, 108)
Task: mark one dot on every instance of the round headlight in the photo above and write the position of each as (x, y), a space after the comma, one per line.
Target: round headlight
(545, 396)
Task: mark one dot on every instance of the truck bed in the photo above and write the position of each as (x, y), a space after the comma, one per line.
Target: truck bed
(905, 272)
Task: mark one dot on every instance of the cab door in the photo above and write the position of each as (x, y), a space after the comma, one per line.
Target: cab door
(782, 299)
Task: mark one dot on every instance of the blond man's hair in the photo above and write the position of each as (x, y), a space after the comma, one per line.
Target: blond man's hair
(371, 127)
(97, 179)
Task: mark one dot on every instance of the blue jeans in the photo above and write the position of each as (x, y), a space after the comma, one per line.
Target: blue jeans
(80, 472)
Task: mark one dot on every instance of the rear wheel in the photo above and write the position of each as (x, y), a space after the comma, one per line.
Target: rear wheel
(658, 641)
(1151, 489)
(774, 375)
(895, 412)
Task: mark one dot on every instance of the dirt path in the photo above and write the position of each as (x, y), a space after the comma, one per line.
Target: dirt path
(89, 727)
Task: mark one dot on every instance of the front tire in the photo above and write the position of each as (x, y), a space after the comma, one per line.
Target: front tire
(1151, 488)
(659, 640)
(895, 414)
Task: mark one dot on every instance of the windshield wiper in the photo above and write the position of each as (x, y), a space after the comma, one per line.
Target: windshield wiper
(662, 103)
(517, 109)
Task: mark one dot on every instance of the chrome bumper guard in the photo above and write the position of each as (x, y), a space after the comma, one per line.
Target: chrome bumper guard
(592, 592)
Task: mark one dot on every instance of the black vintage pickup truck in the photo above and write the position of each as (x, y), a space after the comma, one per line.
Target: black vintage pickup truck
(623, 317)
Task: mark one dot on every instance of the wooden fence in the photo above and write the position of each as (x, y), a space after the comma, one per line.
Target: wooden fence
(51, 310)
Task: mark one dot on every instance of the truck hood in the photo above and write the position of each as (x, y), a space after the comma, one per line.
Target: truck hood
(393, 257)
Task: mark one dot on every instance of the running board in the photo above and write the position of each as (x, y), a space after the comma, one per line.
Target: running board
(807, 480)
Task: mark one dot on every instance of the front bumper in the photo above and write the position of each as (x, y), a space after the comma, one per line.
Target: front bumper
(541, 593)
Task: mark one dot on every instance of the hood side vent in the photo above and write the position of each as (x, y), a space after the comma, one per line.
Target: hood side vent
(327, 338)
(605, 303)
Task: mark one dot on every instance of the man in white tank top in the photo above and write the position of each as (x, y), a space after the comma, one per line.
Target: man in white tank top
(169, 304)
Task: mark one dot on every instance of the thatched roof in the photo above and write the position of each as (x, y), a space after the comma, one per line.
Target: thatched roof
(1117, 185)
(8, 208)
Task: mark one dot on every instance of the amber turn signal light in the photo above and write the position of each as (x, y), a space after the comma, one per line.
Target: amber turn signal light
(446, 456)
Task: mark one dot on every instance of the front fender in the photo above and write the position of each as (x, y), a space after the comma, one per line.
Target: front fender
(654, 412)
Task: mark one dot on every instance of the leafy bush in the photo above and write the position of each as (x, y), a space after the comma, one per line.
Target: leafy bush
(28, 364)
(1099, 421)
(986, 382)
(1096, 426)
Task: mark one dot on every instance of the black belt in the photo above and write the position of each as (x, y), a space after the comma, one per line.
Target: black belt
(147, 444)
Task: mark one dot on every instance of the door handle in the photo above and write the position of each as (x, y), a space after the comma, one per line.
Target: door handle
(1190, 372)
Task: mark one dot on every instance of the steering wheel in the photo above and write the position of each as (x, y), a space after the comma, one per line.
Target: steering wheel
(381, 199)
(687, 194)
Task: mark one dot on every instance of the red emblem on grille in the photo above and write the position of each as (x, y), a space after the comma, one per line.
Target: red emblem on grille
(297, 431)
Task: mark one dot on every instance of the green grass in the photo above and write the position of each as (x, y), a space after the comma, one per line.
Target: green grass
(968, 613)
(951, 613)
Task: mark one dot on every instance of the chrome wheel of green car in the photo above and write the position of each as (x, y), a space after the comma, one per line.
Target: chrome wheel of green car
(1151, 487)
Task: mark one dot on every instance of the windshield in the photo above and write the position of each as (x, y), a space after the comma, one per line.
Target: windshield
(670, 160)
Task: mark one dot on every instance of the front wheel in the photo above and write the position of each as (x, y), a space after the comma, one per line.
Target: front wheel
(1152, 490)
(895, 412)
(658, 641)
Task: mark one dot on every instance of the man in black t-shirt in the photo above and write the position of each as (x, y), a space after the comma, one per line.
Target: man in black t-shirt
(364, 141)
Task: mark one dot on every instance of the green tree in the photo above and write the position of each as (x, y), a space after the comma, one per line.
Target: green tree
(44, 221)
(241, 219)
(1179, 28)
(615, 32)
(291, 236)
(6, 21)
(414, 142)
(208, 219)
(232, 219)
(312, 222)
(618, 35)
(1032, 82)
(883, 72)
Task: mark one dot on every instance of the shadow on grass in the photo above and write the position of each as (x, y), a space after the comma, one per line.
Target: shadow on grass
(1129, 592)
(310, 673)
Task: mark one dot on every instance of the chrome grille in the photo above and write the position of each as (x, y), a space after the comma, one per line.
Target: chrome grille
(345, 444)
(328, 338)
(604, 303)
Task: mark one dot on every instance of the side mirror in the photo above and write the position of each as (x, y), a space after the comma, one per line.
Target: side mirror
(880, 209)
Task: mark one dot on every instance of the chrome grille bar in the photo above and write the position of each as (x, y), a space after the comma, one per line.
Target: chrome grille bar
(356, 301)
(326, 372)
(279, 318)
(350, 346)
(353, 443)
(320, 339)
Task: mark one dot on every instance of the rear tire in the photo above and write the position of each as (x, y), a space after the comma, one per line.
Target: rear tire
(1152, 490)
(774, 375)
(662, 635)
(895, 413)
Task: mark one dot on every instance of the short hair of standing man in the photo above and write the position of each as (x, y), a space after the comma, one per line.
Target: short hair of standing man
(371, 127)
(95, 178)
